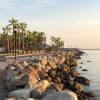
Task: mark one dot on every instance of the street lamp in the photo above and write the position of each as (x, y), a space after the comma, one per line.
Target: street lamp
(44, 43)
(15, 31)
(27, 43)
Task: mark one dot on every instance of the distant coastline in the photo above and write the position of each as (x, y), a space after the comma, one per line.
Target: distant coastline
(90, 49)
(79, 49)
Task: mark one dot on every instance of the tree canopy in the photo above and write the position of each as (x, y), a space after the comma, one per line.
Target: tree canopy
(26, 40)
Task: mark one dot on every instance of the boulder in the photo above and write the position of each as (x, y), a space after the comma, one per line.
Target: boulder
(31, 99)
(11, 99)
(51, 89)
(74, 74)
(14, 78)
(20, 94)
(84, 70)
(10, 75)
(88, 92)
(62, 60)
(72, 94)
(33, 75)
(86, 89)
(44, 61)
(22, 64)
(18, 99)
(59, 87)
(80, 67)
(55, 60)
(36, 59)
(67, 69)
(82, 80)
(64, 95)
(40, 66)
(78, 86)
(53, 65)
(81, 62)
(11, 71)
(15, 84)
(89, 61)
(39, 89)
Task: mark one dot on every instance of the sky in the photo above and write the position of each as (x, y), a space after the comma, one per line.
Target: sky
(77, 22)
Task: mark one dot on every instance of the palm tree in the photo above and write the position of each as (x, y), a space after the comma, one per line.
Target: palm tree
(57, 43)
(35, 40)
(14, 24)
(19, 37)
(61, 44)
(40, 40)
(23, 27)
(35, 35)
(6, 30)
(1, 40)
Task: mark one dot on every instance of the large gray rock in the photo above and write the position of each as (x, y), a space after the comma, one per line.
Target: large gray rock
(61, 96)
(11, 71)
(39, 89)
(10, 99)
(20, 94)
(15, 84)
(18, 99)
(36, 59)
(82, 80)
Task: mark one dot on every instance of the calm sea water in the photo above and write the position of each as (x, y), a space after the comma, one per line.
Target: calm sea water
(93, 67)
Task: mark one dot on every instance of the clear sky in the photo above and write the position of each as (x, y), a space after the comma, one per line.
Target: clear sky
(77, 22)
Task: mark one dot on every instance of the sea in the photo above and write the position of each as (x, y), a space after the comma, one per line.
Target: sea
(91, 61)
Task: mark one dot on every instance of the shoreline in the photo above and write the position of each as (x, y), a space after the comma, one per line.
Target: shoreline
(71, 81)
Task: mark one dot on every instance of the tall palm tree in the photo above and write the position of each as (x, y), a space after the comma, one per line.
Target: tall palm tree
(23, 27)
(4, 36)
(40, 40)
(35, 35)
(7, 30)
(57, 43)
(1, 42)
(29, 40)
(14, 24)
(19, 37)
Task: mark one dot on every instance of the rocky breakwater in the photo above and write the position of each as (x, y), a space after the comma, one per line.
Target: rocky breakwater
(50, 77)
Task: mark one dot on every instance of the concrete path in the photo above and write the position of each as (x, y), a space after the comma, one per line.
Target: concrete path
(3, 91)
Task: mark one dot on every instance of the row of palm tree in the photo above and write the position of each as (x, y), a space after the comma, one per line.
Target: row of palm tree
(16, 37)
(57, 43)
(25, 39)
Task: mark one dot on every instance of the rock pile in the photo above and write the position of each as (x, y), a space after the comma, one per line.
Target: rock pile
(50, 77)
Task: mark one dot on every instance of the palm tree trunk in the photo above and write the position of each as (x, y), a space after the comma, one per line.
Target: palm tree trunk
(8, 45)
(27, 44)
(23, 43)
(13, 42)
(5, 44)
(35, 44)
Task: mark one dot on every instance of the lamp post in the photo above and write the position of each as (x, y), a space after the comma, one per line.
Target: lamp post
(15, 31)
(44, 43)
(27, 43)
